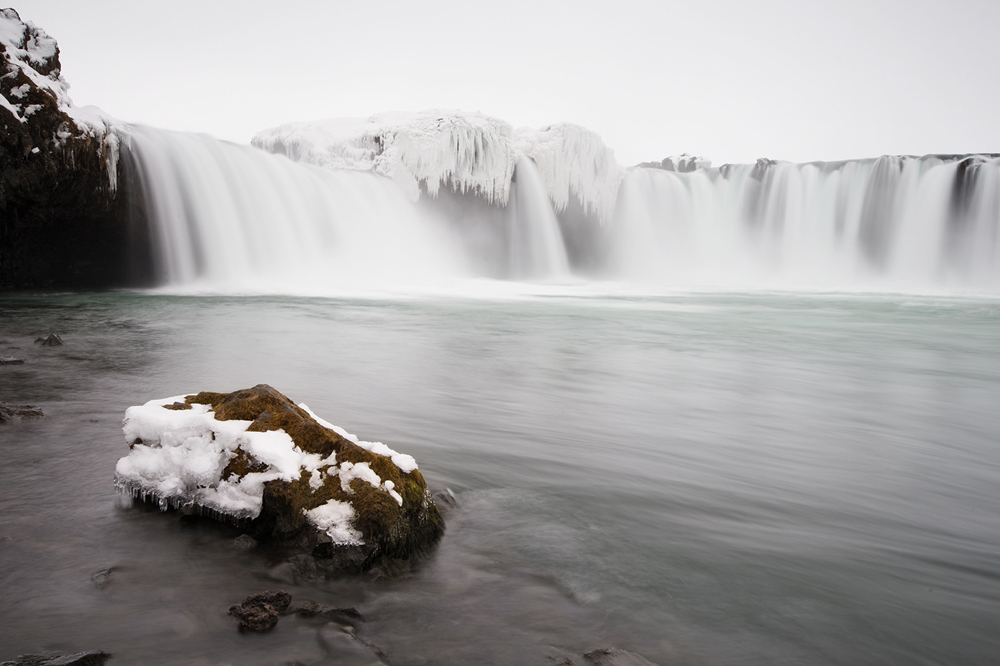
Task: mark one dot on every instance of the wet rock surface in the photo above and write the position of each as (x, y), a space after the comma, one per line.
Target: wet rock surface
(51, 340)
(346, 649)
(259, 612)
(347, 615)
(10, 360)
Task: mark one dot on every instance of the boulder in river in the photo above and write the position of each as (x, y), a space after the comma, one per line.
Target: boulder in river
(253, 456)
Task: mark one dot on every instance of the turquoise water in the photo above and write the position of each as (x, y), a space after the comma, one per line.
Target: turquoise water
(709, 478)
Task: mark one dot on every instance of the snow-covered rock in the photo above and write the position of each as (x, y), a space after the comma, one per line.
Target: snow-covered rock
(254, 455)
(466, 151)
(59, 171)
(682, 163)
(32, 69)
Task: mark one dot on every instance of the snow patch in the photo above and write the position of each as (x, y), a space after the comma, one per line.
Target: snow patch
(337, 520)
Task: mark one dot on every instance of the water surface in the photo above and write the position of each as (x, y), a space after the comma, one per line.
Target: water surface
(706, 478)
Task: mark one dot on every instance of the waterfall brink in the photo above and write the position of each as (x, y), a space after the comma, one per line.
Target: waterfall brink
(889, 223)
(235, 218)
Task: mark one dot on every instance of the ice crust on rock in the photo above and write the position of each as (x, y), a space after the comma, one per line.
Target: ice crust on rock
(178, 458)
(469, 151)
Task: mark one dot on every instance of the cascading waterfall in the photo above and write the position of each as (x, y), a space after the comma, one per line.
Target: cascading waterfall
(537, 250)
(233, 217)
(892, 222)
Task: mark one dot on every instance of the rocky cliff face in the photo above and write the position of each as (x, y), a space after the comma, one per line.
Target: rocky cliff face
(64, 221)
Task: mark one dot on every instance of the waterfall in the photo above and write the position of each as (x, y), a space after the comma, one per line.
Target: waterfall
(230, 217)
(892, 222)
(226, 216)
(537, 250)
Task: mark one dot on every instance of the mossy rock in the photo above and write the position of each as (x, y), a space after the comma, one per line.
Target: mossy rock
(394, 515)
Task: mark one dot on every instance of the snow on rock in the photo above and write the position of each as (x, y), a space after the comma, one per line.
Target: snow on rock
(401, 460)
(35, 53)
(683, 163)
(32, 56)
(336, 519)
(573, 161)
(471, 152)
(253, 454)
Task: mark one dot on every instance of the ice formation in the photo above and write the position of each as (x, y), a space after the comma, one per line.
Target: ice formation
(573, 161)
(469, 151)
(32, 51)
(178, 458)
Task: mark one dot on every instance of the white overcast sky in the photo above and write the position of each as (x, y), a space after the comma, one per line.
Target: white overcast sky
(730, 80)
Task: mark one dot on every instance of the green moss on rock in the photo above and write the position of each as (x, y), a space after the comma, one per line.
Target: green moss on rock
(388, 529)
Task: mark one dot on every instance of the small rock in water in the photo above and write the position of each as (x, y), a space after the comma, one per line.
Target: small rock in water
(76, 659)
(343, 643)
(10, 360)
(52, 341)
(259, 612)
(10, 412)
(446, 499)
(615, 657)
(101, 578)
(347, 615)
(244, 542)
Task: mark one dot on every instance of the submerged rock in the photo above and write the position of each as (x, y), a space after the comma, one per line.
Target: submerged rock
(10, 360)
(615, 657)
(343, 643)
(348, 615)
(259, 612)
(10, 412)
(295, 479)
(244, 542)
(75, 659)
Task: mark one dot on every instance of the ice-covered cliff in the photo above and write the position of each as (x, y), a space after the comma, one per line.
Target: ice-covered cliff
(469, 152)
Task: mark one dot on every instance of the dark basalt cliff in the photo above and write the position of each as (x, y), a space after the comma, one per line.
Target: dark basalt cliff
(64, 221)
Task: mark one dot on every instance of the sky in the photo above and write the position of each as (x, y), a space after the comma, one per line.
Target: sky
(728, 80)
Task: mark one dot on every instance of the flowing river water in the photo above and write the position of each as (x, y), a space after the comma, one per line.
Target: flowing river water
(699, 478)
